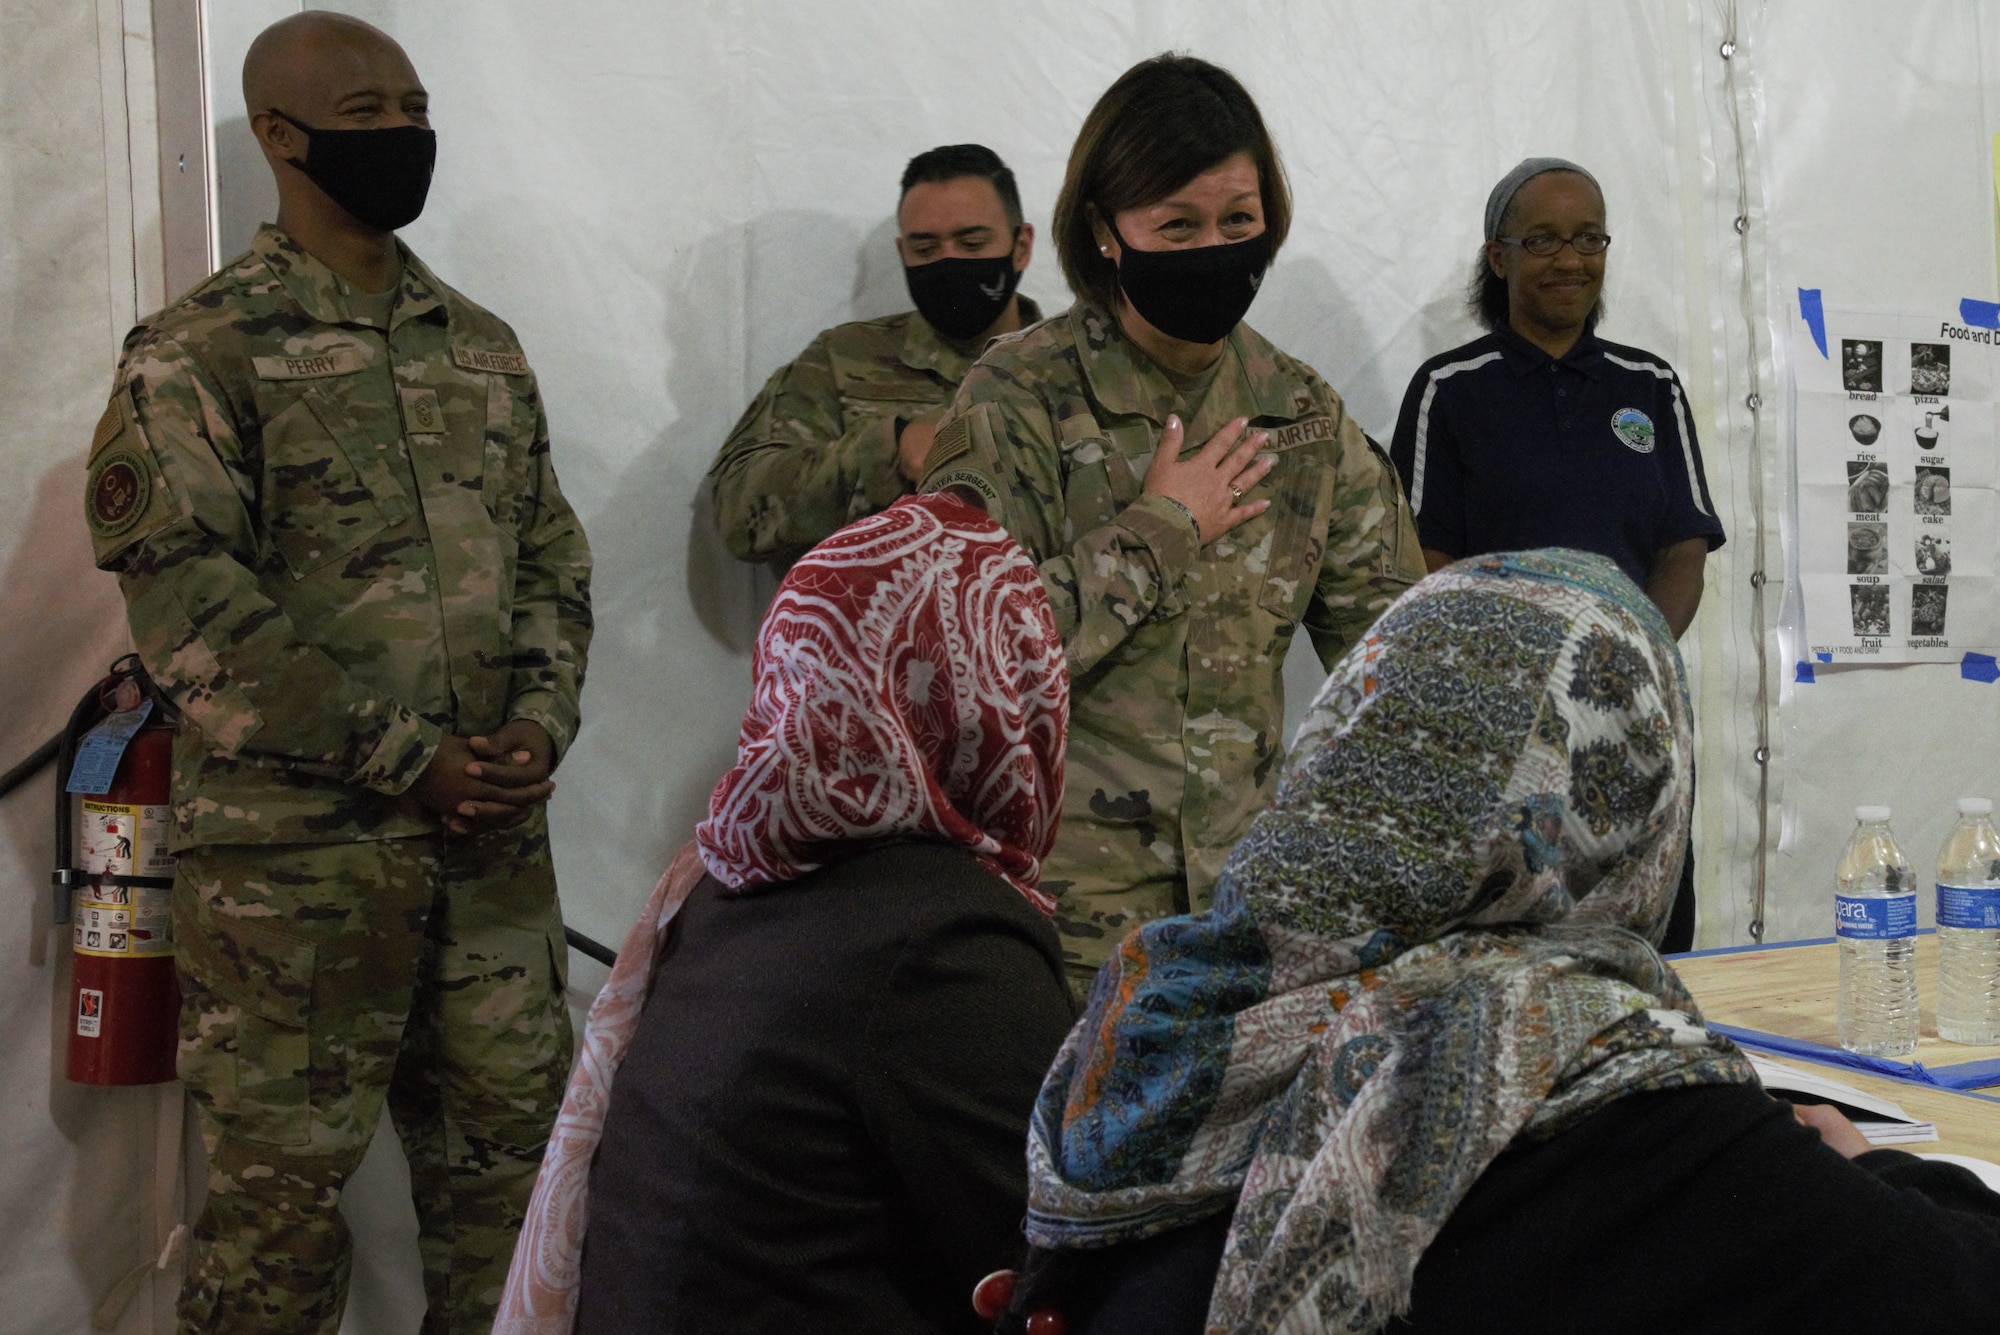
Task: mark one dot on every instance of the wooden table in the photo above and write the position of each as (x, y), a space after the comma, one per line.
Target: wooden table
(1790, 989)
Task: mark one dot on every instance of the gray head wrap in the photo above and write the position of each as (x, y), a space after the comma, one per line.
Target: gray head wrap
(1529, 168)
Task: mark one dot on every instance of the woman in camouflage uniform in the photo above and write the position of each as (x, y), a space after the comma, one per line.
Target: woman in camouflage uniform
(1191, 493)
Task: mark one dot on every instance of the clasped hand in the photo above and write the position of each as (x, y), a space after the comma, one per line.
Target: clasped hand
(488, 783)
(1213, 483)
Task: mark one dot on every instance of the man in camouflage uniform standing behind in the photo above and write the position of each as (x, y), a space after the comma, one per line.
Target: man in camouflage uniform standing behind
(324, 482)
(842, 431)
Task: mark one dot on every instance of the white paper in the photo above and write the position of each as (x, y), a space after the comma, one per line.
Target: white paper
(1781, 1076)
(1897, 475)
(1890, 1125)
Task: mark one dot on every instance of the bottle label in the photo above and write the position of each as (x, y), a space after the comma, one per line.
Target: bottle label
(1875, 917)
(1968, 906)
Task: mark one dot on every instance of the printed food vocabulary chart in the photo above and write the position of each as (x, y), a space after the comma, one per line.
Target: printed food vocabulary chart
(1896, 469)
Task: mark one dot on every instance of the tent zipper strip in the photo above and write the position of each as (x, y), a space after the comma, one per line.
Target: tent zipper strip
(1754, 402)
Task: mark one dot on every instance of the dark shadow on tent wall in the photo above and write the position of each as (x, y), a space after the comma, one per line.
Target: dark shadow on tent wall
(61, 624)
(246, 196)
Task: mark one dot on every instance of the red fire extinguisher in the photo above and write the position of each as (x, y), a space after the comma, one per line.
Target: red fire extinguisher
(113, 813)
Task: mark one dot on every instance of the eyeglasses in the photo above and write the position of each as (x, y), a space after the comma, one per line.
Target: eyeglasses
(1546, 245)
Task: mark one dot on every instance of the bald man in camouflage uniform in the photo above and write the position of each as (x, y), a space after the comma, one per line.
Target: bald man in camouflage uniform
(324, 482)
(1176, 649)
(840, 432)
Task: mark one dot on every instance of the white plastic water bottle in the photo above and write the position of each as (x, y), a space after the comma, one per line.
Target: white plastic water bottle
(1875, 921)
(1968, 927)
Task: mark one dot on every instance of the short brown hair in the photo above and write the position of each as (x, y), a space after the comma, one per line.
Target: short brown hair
(1163, 123)
(952, 162)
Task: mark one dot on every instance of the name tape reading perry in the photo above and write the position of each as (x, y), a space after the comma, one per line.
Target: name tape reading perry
(343, 360)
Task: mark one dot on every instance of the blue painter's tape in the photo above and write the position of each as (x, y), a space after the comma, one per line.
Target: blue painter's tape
(1962, 1076)
(1968, 1075)
(1824, 658)
(1813, 315)
(1980, 314)
(1772, 945)
(1979, 667)
(1744, 950)
(1806, 673)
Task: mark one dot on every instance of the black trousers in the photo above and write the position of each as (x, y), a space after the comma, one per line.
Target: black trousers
(1680, 924)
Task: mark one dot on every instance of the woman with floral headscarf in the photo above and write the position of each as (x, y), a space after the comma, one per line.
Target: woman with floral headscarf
(817, 1116)
(1421, 1068)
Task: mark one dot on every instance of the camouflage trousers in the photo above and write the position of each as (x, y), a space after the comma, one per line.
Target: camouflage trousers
(1095, 913)
(318, 981)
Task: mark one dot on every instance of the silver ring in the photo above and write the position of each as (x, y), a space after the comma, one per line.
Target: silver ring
(1237, 494)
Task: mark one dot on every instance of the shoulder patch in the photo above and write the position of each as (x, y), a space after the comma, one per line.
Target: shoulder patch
(117, 491)
(109, 427)
(482, 359)
(344, 360)
(963, 476)
(1634, 429)
(1310, 431)
(952, 442)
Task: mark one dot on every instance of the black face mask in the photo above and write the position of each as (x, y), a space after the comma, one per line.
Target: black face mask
(1197, 295)
(962, 298)
(379, 176)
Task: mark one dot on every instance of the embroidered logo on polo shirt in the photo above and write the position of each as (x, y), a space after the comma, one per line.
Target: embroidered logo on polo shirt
(1634, 429)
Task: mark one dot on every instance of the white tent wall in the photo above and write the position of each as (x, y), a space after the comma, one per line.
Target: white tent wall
(89, 1191)
(667, 201)
(1875, 139)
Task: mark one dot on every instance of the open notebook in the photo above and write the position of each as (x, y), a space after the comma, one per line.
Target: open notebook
(1877, 1119)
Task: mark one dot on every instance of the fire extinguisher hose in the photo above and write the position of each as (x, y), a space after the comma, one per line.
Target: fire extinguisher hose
(30, 767)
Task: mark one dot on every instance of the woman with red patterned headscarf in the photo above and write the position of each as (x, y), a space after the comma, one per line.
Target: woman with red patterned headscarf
(819, 1110)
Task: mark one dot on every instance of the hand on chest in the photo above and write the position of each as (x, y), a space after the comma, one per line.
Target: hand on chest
(1269, 561)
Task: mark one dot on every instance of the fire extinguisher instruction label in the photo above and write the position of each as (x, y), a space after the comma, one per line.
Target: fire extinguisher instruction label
(89, 1012)
(125, 839)
(123, 921)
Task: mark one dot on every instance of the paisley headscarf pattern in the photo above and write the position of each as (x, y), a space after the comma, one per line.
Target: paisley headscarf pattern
(909, 683)
(1437, 939)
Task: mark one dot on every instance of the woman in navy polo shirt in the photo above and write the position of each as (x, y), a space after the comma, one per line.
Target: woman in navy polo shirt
(1541, 434)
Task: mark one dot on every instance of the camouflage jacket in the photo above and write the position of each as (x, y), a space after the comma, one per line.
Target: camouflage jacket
(816, 449)
(1176, 650)
(335, 542)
